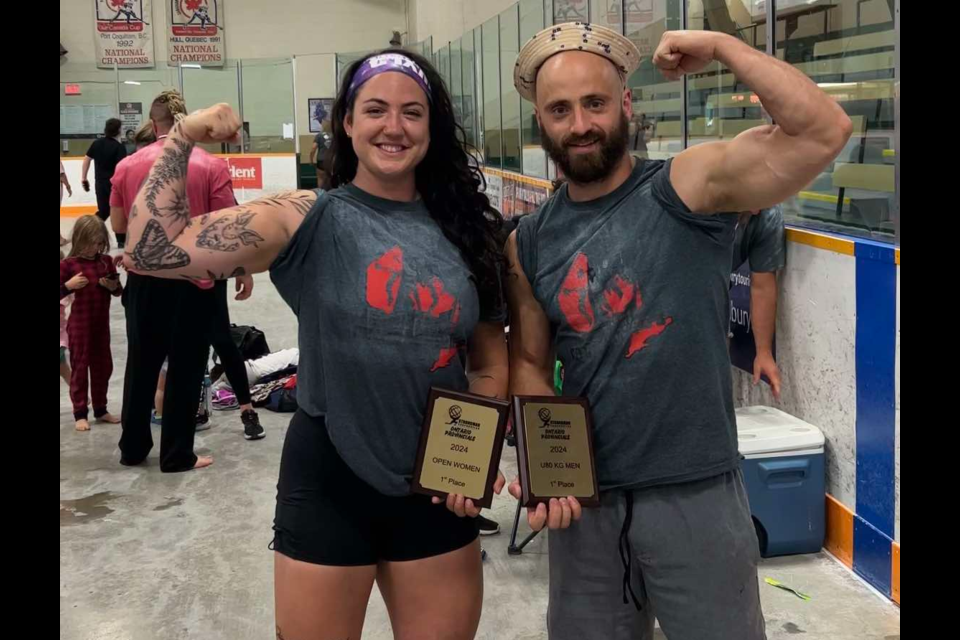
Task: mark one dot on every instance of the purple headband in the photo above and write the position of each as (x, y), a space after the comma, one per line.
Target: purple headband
(395, 62)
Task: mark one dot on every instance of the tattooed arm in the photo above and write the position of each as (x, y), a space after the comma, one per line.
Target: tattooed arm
(162, 239)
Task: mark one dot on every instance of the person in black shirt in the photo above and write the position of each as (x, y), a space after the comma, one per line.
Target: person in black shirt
(106, 153)
(320, 155)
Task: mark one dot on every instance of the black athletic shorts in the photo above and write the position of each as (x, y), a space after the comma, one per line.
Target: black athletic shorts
(328, 516)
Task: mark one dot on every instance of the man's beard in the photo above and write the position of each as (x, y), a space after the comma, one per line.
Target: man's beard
(590, 167)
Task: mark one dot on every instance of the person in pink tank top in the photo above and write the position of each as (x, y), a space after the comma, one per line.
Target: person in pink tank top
(175, 321)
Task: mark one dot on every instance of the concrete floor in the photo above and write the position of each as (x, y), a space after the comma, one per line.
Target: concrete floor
(145, 556)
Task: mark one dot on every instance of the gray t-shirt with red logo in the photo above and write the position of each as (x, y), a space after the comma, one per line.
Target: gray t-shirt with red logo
(386, 307)
(637, 291)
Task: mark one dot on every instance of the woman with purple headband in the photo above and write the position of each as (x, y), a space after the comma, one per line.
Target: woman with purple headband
(395, 279)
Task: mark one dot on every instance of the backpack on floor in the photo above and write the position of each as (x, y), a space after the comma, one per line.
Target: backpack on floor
(251, 341)
(284, 400)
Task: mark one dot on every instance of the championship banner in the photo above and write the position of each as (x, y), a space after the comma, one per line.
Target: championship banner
(124, 33)
(196, 34)
(570, 11)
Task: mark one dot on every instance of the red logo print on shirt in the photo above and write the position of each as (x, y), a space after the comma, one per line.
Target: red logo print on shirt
(433, 300)
(639, 340)
(619, 298)
(384, 277)
(447, 356)
(575, 296)
(384, 285)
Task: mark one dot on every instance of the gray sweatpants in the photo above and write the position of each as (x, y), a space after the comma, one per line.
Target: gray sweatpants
(692, 556)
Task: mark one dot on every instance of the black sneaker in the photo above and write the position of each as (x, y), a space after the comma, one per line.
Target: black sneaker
(487, 527)
(252, 430)
(203, 422)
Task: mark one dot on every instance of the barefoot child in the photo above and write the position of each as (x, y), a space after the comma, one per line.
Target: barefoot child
(90, 275)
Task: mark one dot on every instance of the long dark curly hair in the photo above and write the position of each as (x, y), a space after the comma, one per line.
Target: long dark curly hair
(448, 179)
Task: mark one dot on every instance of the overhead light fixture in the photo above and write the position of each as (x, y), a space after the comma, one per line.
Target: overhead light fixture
(190, 66)
(132, 83)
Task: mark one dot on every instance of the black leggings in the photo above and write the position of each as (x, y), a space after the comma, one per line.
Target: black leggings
(226, 349)
(162, 325)
(103, 189)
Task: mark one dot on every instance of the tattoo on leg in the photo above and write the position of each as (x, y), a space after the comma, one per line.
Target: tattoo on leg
(229, 232)
(155, 252)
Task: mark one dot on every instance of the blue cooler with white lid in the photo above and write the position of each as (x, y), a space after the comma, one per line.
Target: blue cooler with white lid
(784, 470)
